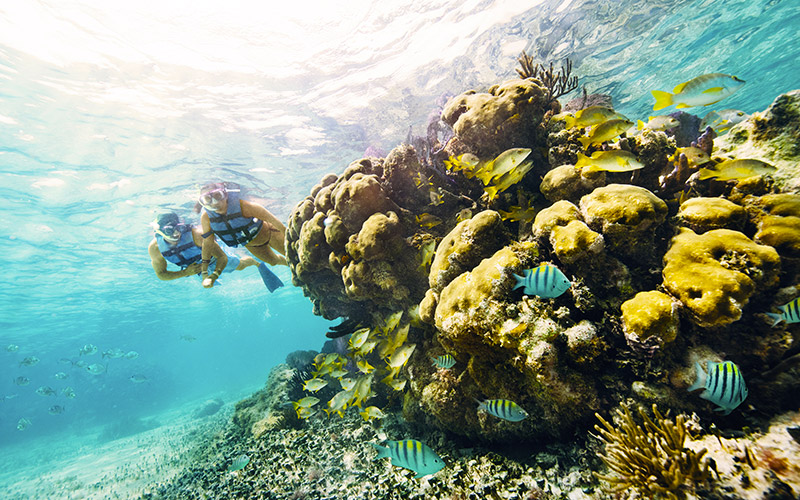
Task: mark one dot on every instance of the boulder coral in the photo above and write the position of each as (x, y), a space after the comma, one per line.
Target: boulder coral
(704, 214)
(715, 274)
(650, 321)
(506, 116)
(627, 216)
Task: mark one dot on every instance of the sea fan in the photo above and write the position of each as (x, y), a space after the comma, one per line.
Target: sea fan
(239, 463)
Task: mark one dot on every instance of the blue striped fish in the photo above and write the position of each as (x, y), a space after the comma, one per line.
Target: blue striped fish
(724, 385)
(790, 313)
(411, 454)
(546, 281)
(503, 408)
(444, 362)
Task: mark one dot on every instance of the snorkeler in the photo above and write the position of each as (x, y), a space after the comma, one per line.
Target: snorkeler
(182, 245)
(239, 222)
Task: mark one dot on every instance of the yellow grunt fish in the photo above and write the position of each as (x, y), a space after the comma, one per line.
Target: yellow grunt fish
(729, 170)
(358, 338)
(605, 132)
(371, 413)
(593, 115)
(662, 122)
(314, 384)
(508, 180)
(695, 156)
(615, 160)
(700, 91)
(507, 161)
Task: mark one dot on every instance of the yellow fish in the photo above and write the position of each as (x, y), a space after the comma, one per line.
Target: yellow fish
(729, 170)
(508, 180)
(518, 214)
(367, 348)
(306, 402)
(314, 384)
(700, 91)
(362, 390)
(400, 357)
(605, 132)
(507, 161)
(427, 252)
(347, 384)
(392, 321)
(303, 412)
(364, 366)
(593, 115)
(616, 160)
(695, 156)
(662, 122)
(464, 215)
(396, 384)
(371, 413)
(467, 162)
(358, 338)
(428, 221)
(339, 402)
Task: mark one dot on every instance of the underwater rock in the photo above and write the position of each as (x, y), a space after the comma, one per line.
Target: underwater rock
(267, 409)
(772, 136)
(704, 214)
(627, 216)
(506, 116)
(778, 220)
(210, 407)
(716, 273)
(569, 183)
(465, 246)
(559, 213)
(650, 321)
(585, 345)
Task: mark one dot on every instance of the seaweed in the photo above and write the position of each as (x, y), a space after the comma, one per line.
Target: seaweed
(651, 457)
(556, 83)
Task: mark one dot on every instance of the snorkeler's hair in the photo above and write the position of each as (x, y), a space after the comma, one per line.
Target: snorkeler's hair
(167, 218)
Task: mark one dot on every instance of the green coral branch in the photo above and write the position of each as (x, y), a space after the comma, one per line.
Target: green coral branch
(651, 457)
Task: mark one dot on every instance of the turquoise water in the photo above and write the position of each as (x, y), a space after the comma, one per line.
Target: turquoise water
(111, 113)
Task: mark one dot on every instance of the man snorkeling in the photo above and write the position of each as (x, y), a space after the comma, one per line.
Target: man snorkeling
(240, 222)
(182, 245)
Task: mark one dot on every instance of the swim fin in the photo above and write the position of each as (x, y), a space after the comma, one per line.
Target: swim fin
(271, 281)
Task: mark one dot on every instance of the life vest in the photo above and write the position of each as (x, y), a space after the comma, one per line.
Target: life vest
(232, 227)
(184, 253)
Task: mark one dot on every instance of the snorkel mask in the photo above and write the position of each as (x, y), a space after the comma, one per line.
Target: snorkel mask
(168, 226)
(212, 195)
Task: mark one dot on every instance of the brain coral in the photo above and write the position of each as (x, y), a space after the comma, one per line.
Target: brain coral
(715, 274)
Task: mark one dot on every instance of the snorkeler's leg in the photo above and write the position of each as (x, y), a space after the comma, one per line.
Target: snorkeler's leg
(266, 254)
(245, 262)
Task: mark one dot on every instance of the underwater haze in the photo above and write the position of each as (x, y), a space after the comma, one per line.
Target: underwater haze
(112, 112)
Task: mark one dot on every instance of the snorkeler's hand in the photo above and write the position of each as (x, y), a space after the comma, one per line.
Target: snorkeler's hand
(192, 269)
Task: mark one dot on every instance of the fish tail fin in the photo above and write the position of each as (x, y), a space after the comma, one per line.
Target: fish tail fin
(492, 192)
(663, 99)
(776, 318)
(585, 141)
(639, 124)
(383, 451)
(705, 173)
(701, 378)
(569, 121)
(520, 281)
(481, 404)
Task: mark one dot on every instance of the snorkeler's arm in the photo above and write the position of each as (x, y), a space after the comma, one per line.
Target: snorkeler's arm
(216, 252)
(250, 209)
(160, 264)
(205, 224)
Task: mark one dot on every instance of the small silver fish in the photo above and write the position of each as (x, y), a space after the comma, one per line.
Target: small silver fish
(545, 281)
(21, 381)
(137, 378)
(131, 355)
(88, 349)
(724, 385)
(23, 424)
(444, 362)
(411, 454)
(96, 369)
(56, 410)
(503, 408)
(45, 391)
(68, 392)
(12, 348)
(61, 375)
(239, 463)
(29, 361)
(790, 313)
(113, 353)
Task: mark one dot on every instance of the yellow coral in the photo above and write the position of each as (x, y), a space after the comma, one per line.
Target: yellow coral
(650, 315)
(704, 214)
(575, 241)
(559, 213)
(781, 233)
(715, 274)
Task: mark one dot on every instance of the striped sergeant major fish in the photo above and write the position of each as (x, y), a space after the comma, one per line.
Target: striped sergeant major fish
(724, 385)
(790, 313)
(503, 408)
(411, 454)
(444, 362)
(546, 281)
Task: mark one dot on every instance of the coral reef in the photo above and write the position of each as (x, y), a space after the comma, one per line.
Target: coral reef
(650, 321)
(652, 457)
(556, 83)
(732, 267)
